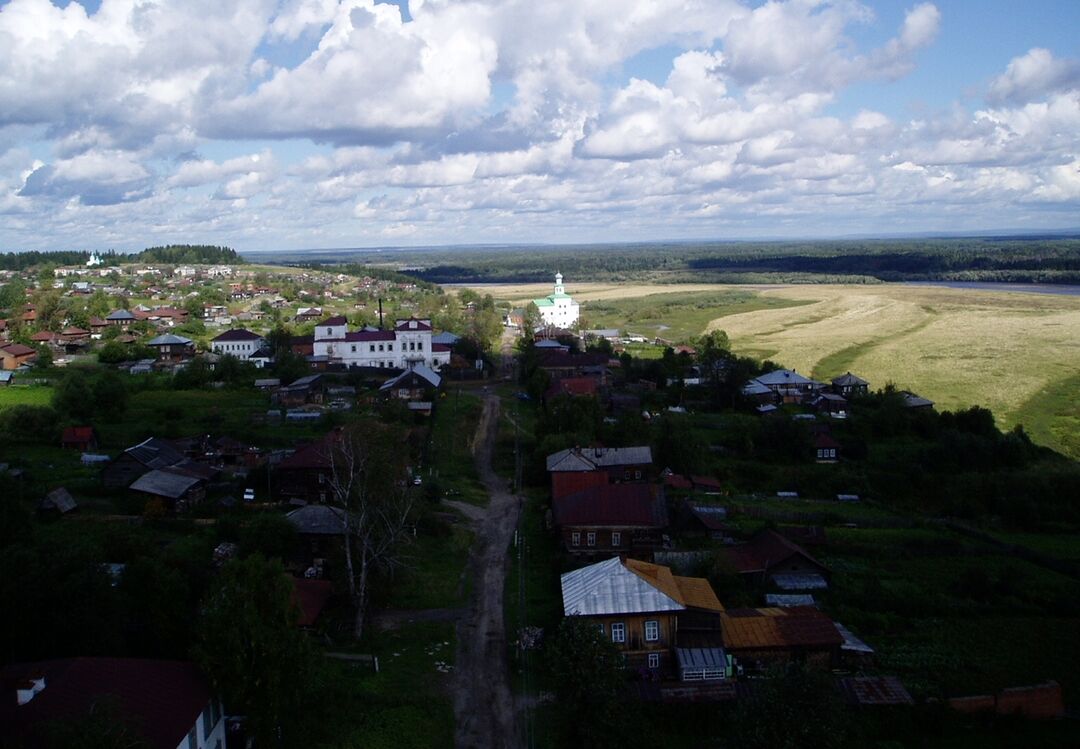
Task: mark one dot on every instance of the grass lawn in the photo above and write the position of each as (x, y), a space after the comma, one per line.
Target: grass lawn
(433, 569)
(452, 436)
(30, 395)
(405, 705)
(1052, 416)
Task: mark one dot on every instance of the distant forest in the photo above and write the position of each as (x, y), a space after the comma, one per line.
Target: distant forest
(1042, 259)
(174, 254)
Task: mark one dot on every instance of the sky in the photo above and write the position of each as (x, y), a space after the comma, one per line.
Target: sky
(275, 125)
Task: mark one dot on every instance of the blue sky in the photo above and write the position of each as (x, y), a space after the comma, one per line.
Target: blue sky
(266, 124)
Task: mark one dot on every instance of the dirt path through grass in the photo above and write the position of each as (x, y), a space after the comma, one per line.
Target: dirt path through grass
(484, 706)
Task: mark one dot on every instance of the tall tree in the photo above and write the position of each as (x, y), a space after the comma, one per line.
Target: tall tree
(367, 482)
(250, 647)
(589, 679)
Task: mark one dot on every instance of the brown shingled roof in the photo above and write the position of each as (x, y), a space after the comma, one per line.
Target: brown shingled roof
(776, 628)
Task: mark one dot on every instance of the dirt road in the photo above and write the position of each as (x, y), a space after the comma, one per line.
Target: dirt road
(483, 703)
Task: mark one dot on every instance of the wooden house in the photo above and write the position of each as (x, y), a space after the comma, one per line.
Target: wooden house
(826, 449)
(418, 382)
(321, 529)
(304, 476)
(849, 386)
(760, 638)
(172, 348)
(148, 455)
(176, 488)
(81, 438)
(641, 608)
(579, 468)
(15, 355)
(612, 519)
(772, 558)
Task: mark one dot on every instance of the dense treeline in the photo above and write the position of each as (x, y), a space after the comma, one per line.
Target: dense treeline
(173, 254)
(34, 259)
(1031, 259)
(190, 253)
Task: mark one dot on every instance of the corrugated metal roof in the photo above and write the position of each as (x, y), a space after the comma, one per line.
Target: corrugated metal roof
(610, 588)
(784, 377)
(800, 581)
(318, 520)
(785, 600)
(155, 453)
(852, 643)
(169, 340)
(163, 483)
(695, 658)
(848, 380)
(591, 458)
(420, 370)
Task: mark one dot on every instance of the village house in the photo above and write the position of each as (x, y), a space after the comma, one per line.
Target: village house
(120, 317)
(559, 365)
(826, 448)
(759, 638)
(642, 608)
(300, 392)
(241, 343)
(177, 489)
(850, 386)
(321, 529)
(169, 701)
(304, 476)
(787, 386)
(81, 438)
(417, 383)
(579, 468)
(172, 348)
(150, 454)
(15, 355)
(612, 519)
(772, 558)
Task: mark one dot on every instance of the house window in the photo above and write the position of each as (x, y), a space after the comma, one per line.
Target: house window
(380, 347)
(600, 625)
(626, 475)
(652, 631)
(654, 660)
(373, 347)
(618, 632)
(389, 347)
(590, 538)
(575, 538)
(616, 538)
(322, 478)
(637, 474)
(419, 345)
(354, 348)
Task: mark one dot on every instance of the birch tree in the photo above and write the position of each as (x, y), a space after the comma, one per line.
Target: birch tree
(368, 483)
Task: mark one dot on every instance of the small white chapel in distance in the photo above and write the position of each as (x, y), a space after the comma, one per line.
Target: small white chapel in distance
(558, 309)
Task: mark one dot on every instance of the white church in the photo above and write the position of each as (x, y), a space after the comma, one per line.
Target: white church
(558, 309)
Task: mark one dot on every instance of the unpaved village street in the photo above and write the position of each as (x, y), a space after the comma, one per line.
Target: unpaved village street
(483, 702)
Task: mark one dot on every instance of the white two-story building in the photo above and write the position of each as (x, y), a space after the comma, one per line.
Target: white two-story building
(239, 343)
(408, 343)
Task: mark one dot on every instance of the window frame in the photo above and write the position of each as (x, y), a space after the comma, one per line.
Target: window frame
(590, 538)
(655, 626)
(575, 538)
(618, 632)
(654, 660)
(616, 538)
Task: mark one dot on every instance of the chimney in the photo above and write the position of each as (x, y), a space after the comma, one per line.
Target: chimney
(380, 314)
(28, 689)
